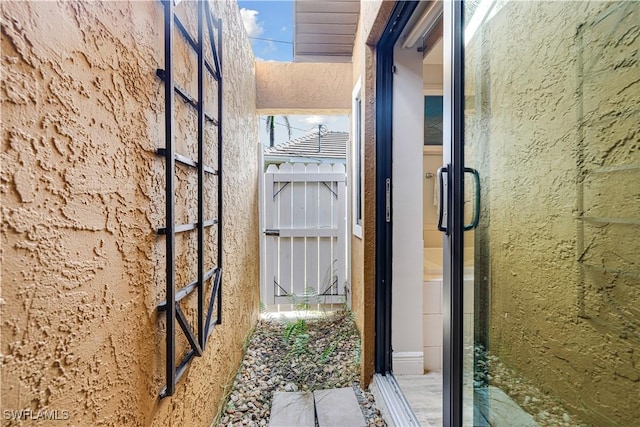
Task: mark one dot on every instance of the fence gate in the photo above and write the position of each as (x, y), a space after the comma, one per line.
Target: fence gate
(304, 259)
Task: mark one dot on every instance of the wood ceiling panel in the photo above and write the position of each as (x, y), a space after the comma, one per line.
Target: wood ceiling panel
(324, 39)
(336, 29)
(326, 18)
(328, 6)
(325, 29)
(324, 49)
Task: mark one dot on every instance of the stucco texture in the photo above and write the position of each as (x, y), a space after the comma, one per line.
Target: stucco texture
(303, 88)
(82, 196)
(552, 126)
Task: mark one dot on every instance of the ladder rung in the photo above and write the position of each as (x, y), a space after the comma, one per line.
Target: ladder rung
(208, 223)
(187, 227)
(187, 289)
(184, 160)
(193, 44)
(189, 100)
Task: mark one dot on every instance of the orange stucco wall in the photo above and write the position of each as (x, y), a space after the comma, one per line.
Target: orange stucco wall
(82, 194)
(303, 88)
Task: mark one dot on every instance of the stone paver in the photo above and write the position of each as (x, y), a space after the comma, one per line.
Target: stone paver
(499, 409)
(292, 409)
(338, 407)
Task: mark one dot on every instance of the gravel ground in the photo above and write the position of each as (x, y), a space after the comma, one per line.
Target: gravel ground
(546, 410)
(298, 354)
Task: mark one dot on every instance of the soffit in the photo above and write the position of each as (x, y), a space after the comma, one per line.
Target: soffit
(325, 30)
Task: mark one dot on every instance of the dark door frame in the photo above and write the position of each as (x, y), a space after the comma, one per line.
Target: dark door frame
(384, 199)
(453, 239)
(453, 263)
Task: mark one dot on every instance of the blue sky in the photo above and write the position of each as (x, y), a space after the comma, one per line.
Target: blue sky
(269, 24)
(269, 20)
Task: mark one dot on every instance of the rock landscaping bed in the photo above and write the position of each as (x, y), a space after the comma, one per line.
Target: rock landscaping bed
(303, 353)
(546, 410)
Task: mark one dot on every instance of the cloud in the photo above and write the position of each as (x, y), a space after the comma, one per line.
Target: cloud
(251, 24)
(269, 47)
(315, 120)
(331, 119)
(283, 29)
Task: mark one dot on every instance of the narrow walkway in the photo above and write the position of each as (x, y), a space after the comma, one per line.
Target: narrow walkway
(298, 354)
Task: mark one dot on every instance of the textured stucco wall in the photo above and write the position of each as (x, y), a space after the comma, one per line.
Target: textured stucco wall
(303, 88)
(361, 309)
(373, 18)
(82, 194)
(552, 125)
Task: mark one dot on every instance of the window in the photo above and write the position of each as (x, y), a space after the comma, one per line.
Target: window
(356, 157)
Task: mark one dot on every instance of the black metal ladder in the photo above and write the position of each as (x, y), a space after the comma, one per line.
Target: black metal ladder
(211, 278)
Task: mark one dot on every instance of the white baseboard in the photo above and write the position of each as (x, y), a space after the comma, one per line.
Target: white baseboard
(408, 363)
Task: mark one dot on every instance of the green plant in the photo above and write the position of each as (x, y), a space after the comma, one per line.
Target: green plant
(303, 302)
(294, 329)
(324, 356)
(312, 342)
(295, 334)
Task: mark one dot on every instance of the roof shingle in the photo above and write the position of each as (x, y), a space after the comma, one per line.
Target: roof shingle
(331, 145)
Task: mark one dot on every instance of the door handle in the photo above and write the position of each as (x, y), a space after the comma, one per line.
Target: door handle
(444, 199)
(443, 208)
(476, 202)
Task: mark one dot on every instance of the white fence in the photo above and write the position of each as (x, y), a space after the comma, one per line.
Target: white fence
(304, 259)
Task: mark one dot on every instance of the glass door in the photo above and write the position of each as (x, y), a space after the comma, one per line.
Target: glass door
(550, 277)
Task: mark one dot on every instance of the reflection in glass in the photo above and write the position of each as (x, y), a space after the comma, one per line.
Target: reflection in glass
(552, 301)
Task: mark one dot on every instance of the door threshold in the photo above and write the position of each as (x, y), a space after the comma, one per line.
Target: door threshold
(391, 401)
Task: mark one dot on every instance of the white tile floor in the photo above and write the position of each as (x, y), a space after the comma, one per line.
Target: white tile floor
(424, 393)
(492, 407)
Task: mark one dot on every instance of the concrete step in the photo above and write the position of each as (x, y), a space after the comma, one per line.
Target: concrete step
(292, 409)
(338, 407)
